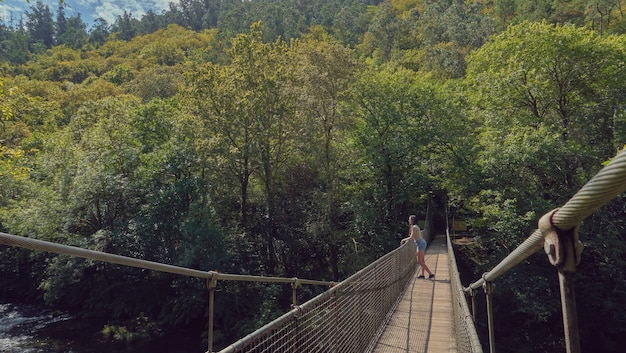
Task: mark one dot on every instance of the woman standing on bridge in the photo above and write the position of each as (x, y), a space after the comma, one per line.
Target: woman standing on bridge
(415, 233)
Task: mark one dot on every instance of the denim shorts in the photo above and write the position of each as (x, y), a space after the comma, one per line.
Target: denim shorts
(421, 244)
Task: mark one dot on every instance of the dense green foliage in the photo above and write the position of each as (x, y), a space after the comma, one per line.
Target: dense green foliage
(292, 138)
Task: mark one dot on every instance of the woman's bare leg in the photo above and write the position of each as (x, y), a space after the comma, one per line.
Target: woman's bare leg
(422, 263)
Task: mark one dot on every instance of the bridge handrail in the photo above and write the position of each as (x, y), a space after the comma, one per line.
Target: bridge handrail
(608, 183)
(42, 245)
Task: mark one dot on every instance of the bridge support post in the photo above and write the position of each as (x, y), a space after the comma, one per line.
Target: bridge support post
(211, 284)
(473, 295)
(570, 317)
(294, 288)
(488, 287)
(564, 249)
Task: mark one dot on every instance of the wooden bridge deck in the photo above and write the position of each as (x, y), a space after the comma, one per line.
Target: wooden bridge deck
(422, 322)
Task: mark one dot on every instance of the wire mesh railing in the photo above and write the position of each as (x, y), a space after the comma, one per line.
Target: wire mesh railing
(348, 318)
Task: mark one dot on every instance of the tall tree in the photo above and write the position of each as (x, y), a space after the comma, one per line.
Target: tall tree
(349, 23)
(61, 22)
(40, 24)
(75, 33)
(323, 72)
(14, 46)
(227, 132)
(125, 27)
(11, 168)
(150, 22)
(448, 30)
(383, 32)
(99, 31)
(558, 89)
(393, 126)
(247, 111)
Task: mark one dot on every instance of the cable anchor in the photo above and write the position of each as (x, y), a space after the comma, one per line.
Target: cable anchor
(562, 246)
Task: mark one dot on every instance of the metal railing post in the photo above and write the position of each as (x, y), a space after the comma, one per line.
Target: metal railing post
(294, 287)
(564, 249)
(211, 284)
(570, 317)
(473, 295)
(488, 287)
(335, 331)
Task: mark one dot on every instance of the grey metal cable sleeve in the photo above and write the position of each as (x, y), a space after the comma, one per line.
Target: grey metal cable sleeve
(530, 246)
(609, 182)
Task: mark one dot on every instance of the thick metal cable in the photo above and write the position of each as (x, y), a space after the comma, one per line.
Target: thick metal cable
(608, 183)
(603, 187)
(36, 244)
(530, 246)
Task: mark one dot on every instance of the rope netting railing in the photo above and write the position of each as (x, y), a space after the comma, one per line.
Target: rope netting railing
(557, 234)
(466, 336)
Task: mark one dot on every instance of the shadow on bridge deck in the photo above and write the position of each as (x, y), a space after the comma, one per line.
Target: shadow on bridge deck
(422, 322)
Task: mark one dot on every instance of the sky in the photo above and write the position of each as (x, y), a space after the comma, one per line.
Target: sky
(89, 10)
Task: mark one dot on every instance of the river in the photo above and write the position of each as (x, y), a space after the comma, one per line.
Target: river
(28, 328)
(19, 325)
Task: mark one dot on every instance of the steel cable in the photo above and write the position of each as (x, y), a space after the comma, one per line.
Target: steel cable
(603, 187)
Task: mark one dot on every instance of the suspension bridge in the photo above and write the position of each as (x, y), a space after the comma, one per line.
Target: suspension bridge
(384, 307)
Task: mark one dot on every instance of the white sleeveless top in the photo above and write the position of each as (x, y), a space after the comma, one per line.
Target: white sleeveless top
(417, 235)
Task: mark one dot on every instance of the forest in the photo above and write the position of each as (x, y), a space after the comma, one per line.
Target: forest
(293, 138)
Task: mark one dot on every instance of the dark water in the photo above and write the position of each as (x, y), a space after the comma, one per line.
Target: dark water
(33, 329)
(18, 325)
